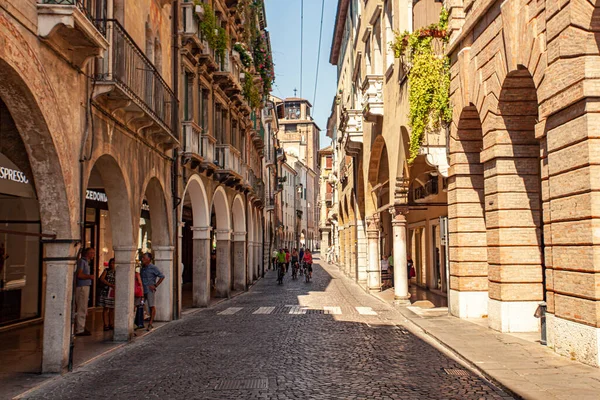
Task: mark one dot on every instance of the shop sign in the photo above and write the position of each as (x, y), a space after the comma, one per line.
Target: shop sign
(13, 175)
(96, 196)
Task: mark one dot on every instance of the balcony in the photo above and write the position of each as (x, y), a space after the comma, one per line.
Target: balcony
(270, 203)
(74, 28)
(435, 151)
(230, 168)
(372, 91)
(131, 89)
(191, 39)
(199, 147)
(227, 75)
(352, 128)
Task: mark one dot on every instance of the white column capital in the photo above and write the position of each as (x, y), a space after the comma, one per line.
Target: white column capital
(224, 234)
(239, 236)
(201, 232)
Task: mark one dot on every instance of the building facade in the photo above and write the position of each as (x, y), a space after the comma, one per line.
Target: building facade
(496, 209)
(125, 128)
(299, 140)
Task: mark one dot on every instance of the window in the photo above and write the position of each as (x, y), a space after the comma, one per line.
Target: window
(377, 48)
(203, 108)
(292, 110)
(328, 162)
(188, 98)
(218, 124)
(389, 34)
(291, 128)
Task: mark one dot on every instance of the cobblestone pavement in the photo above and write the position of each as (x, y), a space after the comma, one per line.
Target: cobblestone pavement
(326, 339)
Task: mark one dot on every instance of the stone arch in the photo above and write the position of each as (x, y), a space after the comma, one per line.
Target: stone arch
(33, 107)
(252, 239)
(200, 246)
(195, 188)
(221, 207)
(378, 154)
(162, 248)
(239, 243)
(514, 207)
(466, 214)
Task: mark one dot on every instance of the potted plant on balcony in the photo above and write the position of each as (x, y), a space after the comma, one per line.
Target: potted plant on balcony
(428, 79)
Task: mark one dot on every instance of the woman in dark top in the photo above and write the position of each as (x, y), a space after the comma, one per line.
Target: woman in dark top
(107, 296)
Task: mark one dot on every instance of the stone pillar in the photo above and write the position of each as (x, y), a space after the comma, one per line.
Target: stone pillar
(60, 267)
(180, 227)
(239, 261)
(250, 263)
(401, 295)
(348, 247)
(361, 248)
(352, 245)
(374, 269)
(124, 292)
(163, 259)
(223, 279)
(258, 257)
(201, 267)
(324, 244)
(342, 254)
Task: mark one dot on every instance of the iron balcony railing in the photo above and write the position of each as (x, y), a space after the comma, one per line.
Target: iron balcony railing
(128, 67)
(94, 10)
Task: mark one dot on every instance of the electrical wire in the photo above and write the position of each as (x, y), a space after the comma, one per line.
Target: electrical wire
(301, 41)
(319, 54)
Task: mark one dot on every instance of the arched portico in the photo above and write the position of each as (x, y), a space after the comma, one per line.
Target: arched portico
(161, 246)
(251, 243)
(239, 243)
(195, 196)
(222, 223)
(106, 176)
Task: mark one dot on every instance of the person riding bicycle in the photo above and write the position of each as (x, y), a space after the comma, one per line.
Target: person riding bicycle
(294, 261)
(280, 265)
(308, 260)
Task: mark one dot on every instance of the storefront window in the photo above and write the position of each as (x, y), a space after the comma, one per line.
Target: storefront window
(20, 261)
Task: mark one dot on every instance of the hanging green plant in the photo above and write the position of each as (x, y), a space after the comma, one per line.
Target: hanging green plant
(221, 43)
(208, 25)
(428, 79)
(250, 91)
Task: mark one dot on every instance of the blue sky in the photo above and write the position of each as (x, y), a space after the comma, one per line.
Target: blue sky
(283, 23)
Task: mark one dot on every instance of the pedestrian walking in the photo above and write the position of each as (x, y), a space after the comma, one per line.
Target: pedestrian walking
(84, 278)
(150, 273)
(139, 300)
(107, 296)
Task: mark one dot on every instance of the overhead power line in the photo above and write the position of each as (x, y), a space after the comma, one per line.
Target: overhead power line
(319, 53)
(301, 41)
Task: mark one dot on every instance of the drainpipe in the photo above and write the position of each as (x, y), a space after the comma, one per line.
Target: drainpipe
(175, 160)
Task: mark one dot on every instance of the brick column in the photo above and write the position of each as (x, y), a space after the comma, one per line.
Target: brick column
(124, 292)
(223, 279)
(401, 294)
(239, 260)
(201, 266)
(60, 270)
(373, 269)
(466, 219)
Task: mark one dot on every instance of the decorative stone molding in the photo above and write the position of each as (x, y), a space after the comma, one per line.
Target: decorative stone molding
(224, 234)
(352, 127)
(437, 156)
(372, 90)
(201, 232)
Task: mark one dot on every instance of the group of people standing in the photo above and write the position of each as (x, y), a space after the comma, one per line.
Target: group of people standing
(147, 279)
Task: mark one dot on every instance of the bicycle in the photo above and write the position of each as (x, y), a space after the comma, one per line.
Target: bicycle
(280, 274)
(306, 272)
(295, 271)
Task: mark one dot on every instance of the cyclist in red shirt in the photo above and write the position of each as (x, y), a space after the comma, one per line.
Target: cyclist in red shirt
(309, 261)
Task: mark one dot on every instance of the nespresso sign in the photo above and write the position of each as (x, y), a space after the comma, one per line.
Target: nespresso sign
(13, 175)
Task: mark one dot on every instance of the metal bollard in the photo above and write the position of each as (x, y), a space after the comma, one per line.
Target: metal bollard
(540, 313)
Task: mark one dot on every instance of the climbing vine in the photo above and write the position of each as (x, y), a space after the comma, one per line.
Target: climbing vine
(221, 43)
(428, 78)
(250, 91)
(245, 56)
(208, 24)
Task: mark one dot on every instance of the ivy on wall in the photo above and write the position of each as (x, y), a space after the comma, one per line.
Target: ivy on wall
(428, 79)
(211, 31)
(251, 92)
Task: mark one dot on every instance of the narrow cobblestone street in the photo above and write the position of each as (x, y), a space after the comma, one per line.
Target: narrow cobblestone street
(325, 339)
